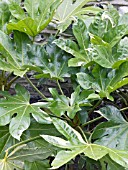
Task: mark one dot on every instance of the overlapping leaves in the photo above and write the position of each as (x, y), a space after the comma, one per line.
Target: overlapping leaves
(16, 111)
(60, 104)
(98, 42)
(113, 133)
(39, 14)
(20, 56)
(76, 145)
(68, 10)
(53, 62)
(4, 15)
(104, 81)
(31, 155)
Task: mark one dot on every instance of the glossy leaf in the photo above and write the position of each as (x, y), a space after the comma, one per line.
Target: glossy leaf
(108, 164)
(69, 10)
(92, 151)
(6, 140)
(4, 15)
(121, 53)
(60, 104)
(16, 10)
(104, 81)
(37, 165)
(19, 104)
(29, 154)
(40, 13)
(112, 114)
(114, 133)
(81, 34)
(9, 53)
(52, 61)
(79, 51)
(8, 165)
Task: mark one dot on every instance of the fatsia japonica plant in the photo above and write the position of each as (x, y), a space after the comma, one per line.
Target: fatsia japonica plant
(80, 120)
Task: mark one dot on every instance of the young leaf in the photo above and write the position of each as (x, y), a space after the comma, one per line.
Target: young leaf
(19, 104)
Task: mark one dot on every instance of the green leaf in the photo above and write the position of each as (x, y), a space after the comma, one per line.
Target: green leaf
(19, 104)
(63, 157)
(37, 165)
(81, 34)
(92, 151)
(6, 140)
(53, 62)
(71, 134)
(95, 152)
(121, 53)
(40, 13)
(60, 104)
(111, 135)
(8, 165)
(59, 142)
(16, 10)
(85, 80)
(80, 51)
(114, 35)
(9, 53)
(4, 15)
(70, 47)
(24, 153)
(109, 164)
(32, 8)
(105, 21)
(27, 25)
(112, 114)
(103, 80)
(69, 10)
(106, 26)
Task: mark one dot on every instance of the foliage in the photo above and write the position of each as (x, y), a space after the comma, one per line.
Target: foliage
(82, 116)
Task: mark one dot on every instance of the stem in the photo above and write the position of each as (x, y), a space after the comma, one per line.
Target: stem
(21, 143)
(123, 109)
(60, 88)
(58, 31)
(91, 121)
(30, 82)
(12, 81)
(3, 86)
(9, 75)
(123, 98)
(67, 118)
(3, 80)
(95, 106)
(81, 130)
